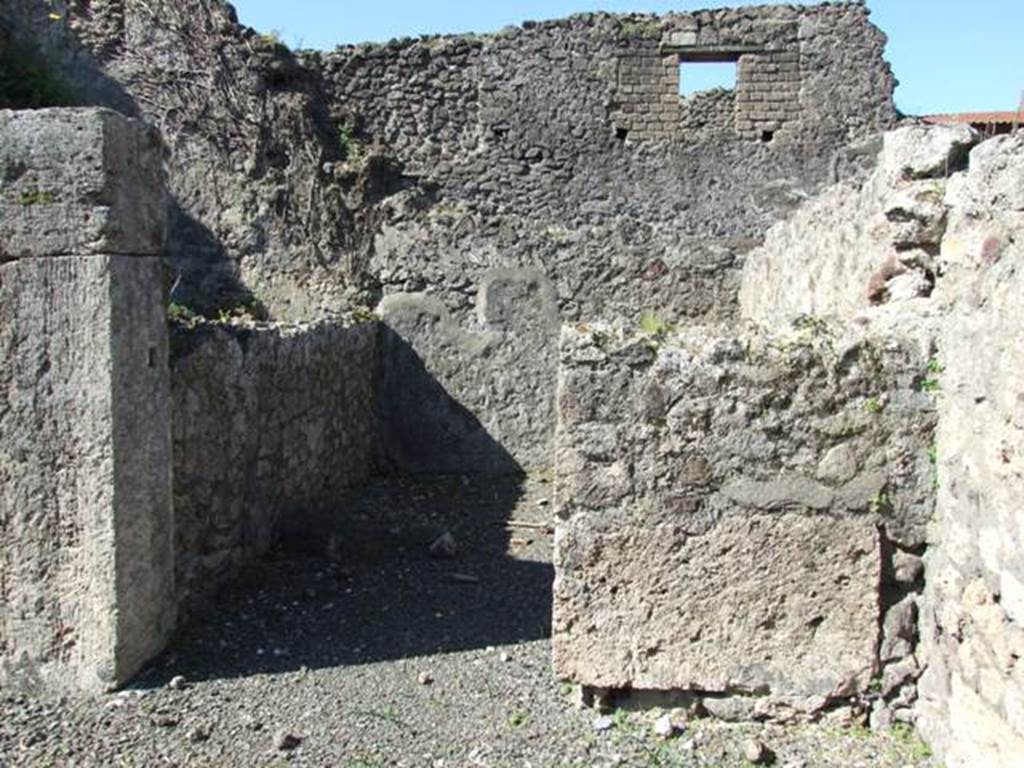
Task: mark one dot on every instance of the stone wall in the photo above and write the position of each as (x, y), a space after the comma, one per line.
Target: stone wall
(862, 245)
(972, 706)
(501, 367)
(930, 246)
(765, 46)
(319, 181)
(250, 142)
(272, 426)
(512, 157)
(266, 427)
(741, 517)
(86, 552)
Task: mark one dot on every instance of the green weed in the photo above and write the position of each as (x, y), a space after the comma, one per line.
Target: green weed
(244, 306)
(880, 504)
(271, 39)
(35, 197)
(180, 313)
(364, 315)
(635, 29)
(348, 143)
(931, 382)
(912, 746)
(653, 324)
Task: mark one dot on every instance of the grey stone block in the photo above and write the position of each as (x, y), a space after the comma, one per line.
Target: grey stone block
(85, 479)
(79, 181)
(707, 540)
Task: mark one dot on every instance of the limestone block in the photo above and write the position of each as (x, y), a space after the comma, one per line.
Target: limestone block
(774, 603)
(86, 558)
(926, 152)
(79, 181)
(722, 505)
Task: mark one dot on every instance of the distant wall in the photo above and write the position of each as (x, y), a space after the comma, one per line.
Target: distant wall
(786, 74)
(560, 150)
(271, 426)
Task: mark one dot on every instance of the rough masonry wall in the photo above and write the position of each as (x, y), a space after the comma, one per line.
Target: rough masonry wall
(508, 157)
(740, 517)
(86, 559)
(272, 425)
(972, 694)
(782, 54)
(252, 148)
(858, 246)
(319, 181)
(431, 168)
(928, 249)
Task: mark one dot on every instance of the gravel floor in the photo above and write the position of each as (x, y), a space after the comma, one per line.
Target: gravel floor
(380, 655)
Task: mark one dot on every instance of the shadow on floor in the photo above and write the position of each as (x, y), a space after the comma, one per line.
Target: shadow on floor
(356, 583)
(371, 591)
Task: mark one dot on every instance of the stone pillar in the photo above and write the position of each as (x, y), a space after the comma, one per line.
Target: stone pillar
(86, 528)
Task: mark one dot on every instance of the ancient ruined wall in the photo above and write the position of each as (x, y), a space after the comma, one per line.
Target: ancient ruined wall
(513, 156)
(512, 142)
(928, 249)
(86, 559)
(740, 517)
(434, 168)
(260, 202)
(271, 426)
(861, 245)
(783, 55)
(972, 706)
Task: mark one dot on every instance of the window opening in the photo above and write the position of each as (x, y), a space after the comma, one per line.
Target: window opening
(700, 76)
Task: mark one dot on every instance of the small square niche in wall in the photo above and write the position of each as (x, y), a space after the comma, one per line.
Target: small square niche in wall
(699, 76)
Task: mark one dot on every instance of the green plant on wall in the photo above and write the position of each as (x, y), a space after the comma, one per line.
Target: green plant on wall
(654, 324)
(28, 81)
(179, 313)
(348, 143)
(931, 382)
(933, 460)
(35, 197)
(634, 29)
(880, 504)
(271, 40)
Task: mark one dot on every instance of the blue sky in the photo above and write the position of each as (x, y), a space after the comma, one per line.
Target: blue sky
(949, 55)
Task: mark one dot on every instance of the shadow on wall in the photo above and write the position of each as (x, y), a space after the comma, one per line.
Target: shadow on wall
(426, 429)
(202, 275)
(358, 583)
